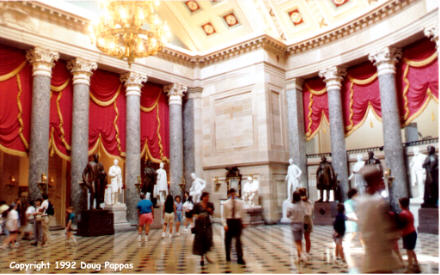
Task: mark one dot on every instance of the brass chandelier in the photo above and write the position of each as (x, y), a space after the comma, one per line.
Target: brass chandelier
(129, 29)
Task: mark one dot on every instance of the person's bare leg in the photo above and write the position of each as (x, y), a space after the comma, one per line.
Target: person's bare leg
(308, 242)
(177, 227)
(171, 228)
(164, 227)
(298, 249)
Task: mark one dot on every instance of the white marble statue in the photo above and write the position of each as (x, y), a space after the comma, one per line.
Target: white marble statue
(250, 192)
(292, 178)
(359, 182)
(161, 187)
(115, 175)
(418, 173)
(197, 187)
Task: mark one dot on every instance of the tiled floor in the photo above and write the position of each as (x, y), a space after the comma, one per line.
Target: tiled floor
(267, 249)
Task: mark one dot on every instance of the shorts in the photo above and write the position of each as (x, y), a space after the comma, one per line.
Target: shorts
(297, 231)
(178, 216)
(409, 241)
(169, 218)
(146, 218)
(308, 224)
(338, 238)
(189, 214)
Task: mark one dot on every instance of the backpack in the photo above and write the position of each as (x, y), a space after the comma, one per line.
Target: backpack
(50, 210)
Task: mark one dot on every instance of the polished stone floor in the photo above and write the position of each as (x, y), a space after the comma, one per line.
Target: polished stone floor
(267, 249)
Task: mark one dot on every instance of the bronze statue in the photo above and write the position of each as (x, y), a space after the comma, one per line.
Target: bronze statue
(430, 197)
(149, 180)
(325, 179)
(95, 179)
(374, 161)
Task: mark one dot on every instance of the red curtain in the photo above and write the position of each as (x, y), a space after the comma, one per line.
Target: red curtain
(360, 91)
(61, 102)
(154, 123)
(315, 105)
(107, 114)
(417, 79)
(15, 101)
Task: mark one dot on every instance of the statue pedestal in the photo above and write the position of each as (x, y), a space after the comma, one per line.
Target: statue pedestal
(284, 218)
(428, 220)
(254, 215)
(120, 222)
(96, 223)
(324, 213)
(157, 220)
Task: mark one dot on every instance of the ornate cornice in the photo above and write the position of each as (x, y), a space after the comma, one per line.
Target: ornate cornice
(81, 70)
(133, 82)
(333, 77)
(42, 60)
(385, 60)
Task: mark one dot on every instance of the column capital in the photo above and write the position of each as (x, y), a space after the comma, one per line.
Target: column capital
(385, 60)
(333, 77)
(81, 70)
(432, 33)
(42, 60)
(175, 92)
(194, 92)
(295, 84)
(133, 82)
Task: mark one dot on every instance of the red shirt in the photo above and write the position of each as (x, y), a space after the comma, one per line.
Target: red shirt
(407, 216)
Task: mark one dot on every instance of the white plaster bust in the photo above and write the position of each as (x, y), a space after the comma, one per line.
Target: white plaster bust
(115, 175)
(161, 187)
(418, 173)
(250, 191)
(197, 187)
(358, 179)
(292, 178)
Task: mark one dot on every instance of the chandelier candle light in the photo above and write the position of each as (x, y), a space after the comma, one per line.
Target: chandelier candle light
(129, 29)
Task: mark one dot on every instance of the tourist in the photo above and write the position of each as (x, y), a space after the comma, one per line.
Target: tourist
(70, 218)
(179, 213)
(38, 234)
(12, 227)
(308, 220)
(338, 235)
(296, 213)
(350, 207)
(146, 216)
(409, 235)
(30, 218)
(168, 216)
(376, 226)
(188, 207)
(45, 219)
(203, 228)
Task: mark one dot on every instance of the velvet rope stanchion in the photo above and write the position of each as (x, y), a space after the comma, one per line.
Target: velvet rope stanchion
(315, 106)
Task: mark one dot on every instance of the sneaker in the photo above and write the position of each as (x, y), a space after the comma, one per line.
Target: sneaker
(241, 261)
(17, 244)
(164, 234)
(146, 238)
(74, 239)
(139, 238)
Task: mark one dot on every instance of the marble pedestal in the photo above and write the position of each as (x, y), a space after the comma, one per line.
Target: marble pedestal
(120, 222)
(254, 215)
(284, 218)
(157, 221)
(324, 213)
(95, 223)
(428, 220)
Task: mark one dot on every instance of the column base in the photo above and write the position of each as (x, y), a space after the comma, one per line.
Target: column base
(120, 222)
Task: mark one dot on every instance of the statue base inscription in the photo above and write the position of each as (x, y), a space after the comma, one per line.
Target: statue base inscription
(120, 222)
(428, 220)
(254, 215)
(96, 223)
(324, 213)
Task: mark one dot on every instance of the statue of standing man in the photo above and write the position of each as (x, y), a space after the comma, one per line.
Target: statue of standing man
(161, 188)
(430, 198)
(196, 188)
(94, 177)
(115, 175)
(325, 178)
(292, 177)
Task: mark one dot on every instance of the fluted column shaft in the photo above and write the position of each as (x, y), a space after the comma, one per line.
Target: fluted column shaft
(297, 140)
(385, 61)
(81, 70)
(42, 61)
(175, 93)
(333, 77)
(133, 82)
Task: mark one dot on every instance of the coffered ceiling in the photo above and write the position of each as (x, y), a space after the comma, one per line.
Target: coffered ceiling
(208, 25)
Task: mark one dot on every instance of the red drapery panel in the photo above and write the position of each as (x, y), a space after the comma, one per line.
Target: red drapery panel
(315, 105)
(61, 101)
(154, 123)
(107, 114)
(15, 101)
(417, 79)
(360, 92)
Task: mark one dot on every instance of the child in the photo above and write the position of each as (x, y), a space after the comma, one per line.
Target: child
(168, 216)
(409, 235)
(179, 214)
(188, 209)
(69, 221)
(295, 212)
(338, 235)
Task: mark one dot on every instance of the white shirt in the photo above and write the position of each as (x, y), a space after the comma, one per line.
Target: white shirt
(44, 205)
(29, 213)
(308, 208)
(12, 220)
(296, 213)
(188, 206)
(227, 210)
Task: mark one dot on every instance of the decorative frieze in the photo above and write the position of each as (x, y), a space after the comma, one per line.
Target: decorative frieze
(385, 60)
(42, 61)
(133, 82)
(175, 92)
(82, 70)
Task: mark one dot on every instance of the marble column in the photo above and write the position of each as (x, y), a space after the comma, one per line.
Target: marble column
(175, 93)
(42, 61)
(133, 83)
(295, 120)
(385, 60)
(81, 70)
(189, 150)
(333, 78)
